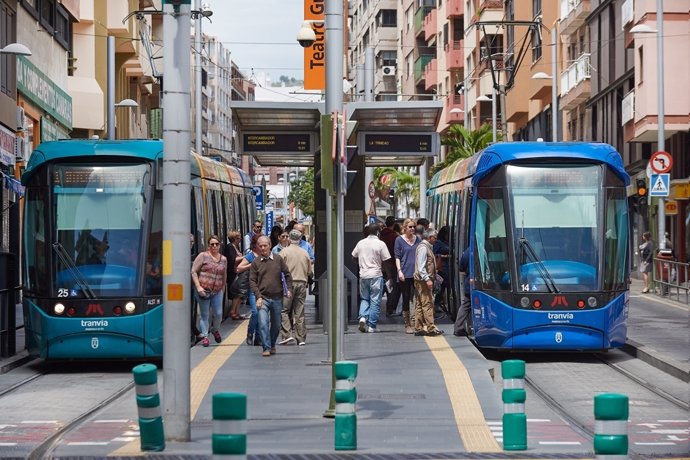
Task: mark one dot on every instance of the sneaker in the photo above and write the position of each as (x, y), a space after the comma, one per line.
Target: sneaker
(301, 344)
(362, 324)
(217, 337)
(371, 329)
(420, 333)
(266, 353)
(409, 330)
(273, 350)
(287, 341)
(435, 333)
(250, 338)
(205, 342)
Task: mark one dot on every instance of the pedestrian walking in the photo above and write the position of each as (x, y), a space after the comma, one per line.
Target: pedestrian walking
(283, 242)
(370, 253)
(388, 235)
(646, 255)
(256, 230)
(424, 279)
(270, 281)
(293, 328)
(460, 327)
(405, 248)
(209, 276)
(236, 280)
(243, 289)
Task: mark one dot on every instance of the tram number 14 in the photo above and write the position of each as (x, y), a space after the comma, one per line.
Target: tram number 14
(524, 287)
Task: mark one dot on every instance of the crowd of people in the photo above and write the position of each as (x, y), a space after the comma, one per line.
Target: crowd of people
(273, 274)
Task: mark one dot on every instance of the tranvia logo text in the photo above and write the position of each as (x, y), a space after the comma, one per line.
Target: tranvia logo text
(558, 316)
(94, 323)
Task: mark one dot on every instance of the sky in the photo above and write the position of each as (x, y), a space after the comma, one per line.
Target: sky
(260, 34)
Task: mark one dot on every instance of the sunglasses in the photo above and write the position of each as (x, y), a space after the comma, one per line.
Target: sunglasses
(258, 227)
(283, 236)
(410, 226)
(214, 244)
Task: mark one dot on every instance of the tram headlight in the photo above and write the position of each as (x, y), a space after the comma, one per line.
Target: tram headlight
(59, 308)
(524, 302)
(592, 302)
(130, 307)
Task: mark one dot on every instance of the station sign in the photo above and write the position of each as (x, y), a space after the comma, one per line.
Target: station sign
(399, 143)
(258, 192)
(272, 142)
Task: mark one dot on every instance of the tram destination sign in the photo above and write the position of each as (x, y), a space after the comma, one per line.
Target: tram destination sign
(383, 143)
(260, 142)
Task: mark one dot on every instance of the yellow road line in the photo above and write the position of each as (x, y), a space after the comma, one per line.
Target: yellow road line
(201, 379)
(469, 417)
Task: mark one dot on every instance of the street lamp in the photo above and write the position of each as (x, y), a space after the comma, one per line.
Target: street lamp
(554, 100)
(17, 49)
(127, 103)
(661, 135)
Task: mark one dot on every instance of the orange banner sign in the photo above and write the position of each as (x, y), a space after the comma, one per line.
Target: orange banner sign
(315, 55)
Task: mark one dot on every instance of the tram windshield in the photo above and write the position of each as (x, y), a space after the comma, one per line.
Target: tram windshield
(555, 226)
(98, 215)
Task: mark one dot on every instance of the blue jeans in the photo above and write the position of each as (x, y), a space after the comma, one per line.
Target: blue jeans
(215, 302)
(371, 291)
(272, 307)
(254, 320)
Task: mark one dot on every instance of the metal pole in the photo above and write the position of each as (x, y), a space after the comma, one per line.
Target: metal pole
(466, 105)
(554, 85)
(661, 135)
(334, 103)
(111, 86)
(423, 173)
(197, 79)
(369, 73)
(176, 217)
(504, 123)
(493, 113)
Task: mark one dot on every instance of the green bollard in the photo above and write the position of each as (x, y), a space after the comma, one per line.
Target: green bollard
(611, 426)
(151, 433)
(345, 399)
(514, 396)
(229, 426)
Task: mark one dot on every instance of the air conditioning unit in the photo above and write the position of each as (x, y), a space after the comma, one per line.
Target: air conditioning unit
(388, 69)
(20, 119)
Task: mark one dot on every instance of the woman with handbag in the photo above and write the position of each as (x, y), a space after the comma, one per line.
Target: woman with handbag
(235, 279)
(646, 259)
(209, 277)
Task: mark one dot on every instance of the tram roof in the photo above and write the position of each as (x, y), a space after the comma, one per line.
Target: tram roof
(148, 149)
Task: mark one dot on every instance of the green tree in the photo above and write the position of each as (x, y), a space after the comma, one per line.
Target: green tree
(463, 143)
(405, 183)
(302, 192)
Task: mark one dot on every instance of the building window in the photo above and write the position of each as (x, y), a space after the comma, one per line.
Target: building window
(387, 18)
(8, 80)
(54, 19)
(389, 57)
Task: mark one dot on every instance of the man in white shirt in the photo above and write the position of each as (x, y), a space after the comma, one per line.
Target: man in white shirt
(370, 253)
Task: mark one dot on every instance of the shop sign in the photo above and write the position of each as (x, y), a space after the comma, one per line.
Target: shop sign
(671, 207)
(7, 147)
(680, 191)
(42, 91)
(52, 131)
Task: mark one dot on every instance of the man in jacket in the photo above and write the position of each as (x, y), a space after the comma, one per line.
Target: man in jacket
(424, 279)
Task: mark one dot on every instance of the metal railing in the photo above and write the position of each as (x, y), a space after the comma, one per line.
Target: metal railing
(672, 279)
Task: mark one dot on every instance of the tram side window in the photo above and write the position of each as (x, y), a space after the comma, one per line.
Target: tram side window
(491, 267)
(616, 239)
(154, 277)
(34, 232)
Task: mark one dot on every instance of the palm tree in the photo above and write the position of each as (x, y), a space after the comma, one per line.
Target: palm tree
(405, 183)
(463, 143)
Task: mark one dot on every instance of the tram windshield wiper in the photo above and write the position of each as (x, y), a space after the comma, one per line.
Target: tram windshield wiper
(74, 271)
(527, 248)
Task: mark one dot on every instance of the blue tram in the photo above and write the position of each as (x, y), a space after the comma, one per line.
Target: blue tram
(93, 231)
(547, 227)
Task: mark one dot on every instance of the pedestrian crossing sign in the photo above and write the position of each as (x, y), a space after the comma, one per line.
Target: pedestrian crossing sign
(660, 185)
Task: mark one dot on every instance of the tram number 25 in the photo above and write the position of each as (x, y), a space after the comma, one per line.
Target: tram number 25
(63, 292)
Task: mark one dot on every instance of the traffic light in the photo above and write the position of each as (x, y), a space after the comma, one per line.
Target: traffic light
(641, 192)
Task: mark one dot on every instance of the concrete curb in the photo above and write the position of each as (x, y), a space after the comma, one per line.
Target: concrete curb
(16, 361)
(655, 359)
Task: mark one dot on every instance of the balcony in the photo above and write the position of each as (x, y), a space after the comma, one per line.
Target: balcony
(573, 15)
(490, 5)
(628, 108)
(420, 65)
(455, 57)
(431, 75)
(575, 83)
(419, 19)
(454, 101)
(454, 8)
(430, 25)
